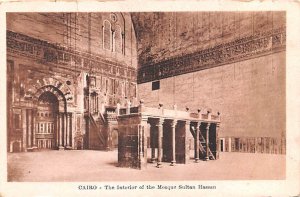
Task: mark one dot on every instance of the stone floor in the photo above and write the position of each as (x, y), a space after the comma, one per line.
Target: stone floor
(88, 165)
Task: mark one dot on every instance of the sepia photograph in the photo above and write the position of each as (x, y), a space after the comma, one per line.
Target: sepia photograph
(149, 98)
(146, 96)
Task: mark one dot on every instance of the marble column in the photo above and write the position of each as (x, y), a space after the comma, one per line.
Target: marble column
(57, 130)
(160, 135)
(197, 142)
(140, 134)
(186, 142)
(24, 128)
(207, 141)
(70, 130)
(173, 127)
(28, 114)
(34, 128)
(66, 130)
(73, 130)
(152, 139)
(60, 130)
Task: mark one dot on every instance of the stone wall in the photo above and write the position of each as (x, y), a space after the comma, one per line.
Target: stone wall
(231, 62)
(250, 95)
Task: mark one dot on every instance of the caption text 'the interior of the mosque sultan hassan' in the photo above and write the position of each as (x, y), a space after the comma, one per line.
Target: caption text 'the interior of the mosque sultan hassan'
(168, 93)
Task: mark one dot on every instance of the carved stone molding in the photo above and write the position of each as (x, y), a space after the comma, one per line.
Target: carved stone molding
(48, 53)
(240, 49)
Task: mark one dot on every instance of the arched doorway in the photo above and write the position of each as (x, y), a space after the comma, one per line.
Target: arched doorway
(47, 110)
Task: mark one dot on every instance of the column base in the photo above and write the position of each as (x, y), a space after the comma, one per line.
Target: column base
(34, 148)
(159, 165)
(173, 163)
(29, 149)
(68, 147)
(61, 148)
(206, 158)
(153, 160)
(196, 160)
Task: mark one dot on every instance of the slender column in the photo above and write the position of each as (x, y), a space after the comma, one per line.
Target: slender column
(29, 128)
(73, 130)
(97, 103)
(140, 134)
(186, 142)
(34, 128)
(207, 142)
(24, 130)
(160, 135)
(66, 130)
(60, 129)
(197, 142)
(70, 130)
(152, 135)
(57, 129)
(173, 126)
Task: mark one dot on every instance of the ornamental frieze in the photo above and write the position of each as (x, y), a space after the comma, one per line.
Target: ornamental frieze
(234, 51)
(46, 52)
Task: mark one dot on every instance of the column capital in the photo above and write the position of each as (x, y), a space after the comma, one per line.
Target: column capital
(208, 125)
(144, 119)
(197, 123)
(187, 122)
(174, 122)
(160, 121)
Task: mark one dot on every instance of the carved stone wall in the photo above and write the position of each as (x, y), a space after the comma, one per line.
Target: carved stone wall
(48, 56)
(80, 32)
(238, 50)
(162, 36)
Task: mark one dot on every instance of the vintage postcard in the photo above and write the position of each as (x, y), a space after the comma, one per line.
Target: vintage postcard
(173, 98)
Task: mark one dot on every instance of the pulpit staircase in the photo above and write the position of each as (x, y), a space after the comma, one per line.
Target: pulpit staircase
(97, 119)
